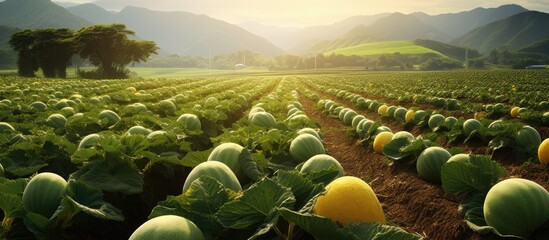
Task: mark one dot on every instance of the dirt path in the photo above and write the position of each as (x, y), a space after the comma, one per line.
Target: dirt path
(409, 202)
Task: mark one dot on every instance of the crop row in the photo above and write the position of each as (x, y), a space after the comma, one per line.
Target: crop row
(475, 178)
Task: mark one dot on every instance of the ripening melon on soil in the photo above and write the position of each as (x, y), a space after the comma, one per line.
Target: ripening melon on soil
(409, 115)
(112, 117)
(56, 120)
(43, 193)
(381, 140)
(348, 117)
(167, 227)
(39, 106)
(470, 125)
(229, 153)
(356, 120)
(430, 162)
(216, 170)
(309, 131)
(6, 127)
(543, 152)
(305, 146)
(89, 141)
(514, 112)
(319, 162)
(349, 199)
(527, 137)
(435, 120)
(400, 114)
(191, 121)
(382, 110)
(263, 119)
(139, 130)
(516, 207)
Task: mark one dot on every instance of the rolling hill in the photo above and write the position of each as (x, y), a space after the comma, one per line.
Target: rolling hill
(406, 47)
(541, 47)
(511, 33)
(181, 32)
(36, 14)
(395, 27)
(386, 47)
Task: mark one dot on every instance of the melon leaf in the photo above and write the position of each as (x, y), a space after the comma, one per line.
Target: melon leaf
(257, 207)
(479, 173)
(198, 204)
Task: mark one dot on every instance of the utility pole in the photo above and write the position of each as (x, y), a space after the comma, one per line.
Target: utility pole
(315, 52)
(210, 58)
(466, 57)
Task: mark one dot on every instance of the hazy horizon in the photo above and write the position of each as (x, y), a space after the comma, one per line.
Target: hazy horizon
(306, 13)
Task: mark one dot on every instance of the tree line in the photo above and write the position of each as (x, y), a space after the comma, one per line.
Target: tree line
(108, 47)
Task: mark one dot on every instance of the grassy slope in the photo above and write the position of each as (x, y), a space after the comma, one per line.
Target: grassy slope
(378, 48)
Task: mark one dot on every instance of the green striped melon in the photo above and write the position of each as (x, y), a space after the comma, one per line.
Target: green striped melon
(309, 131)
(216, 170)
(263, 119)
(516, 207)
(320, 162)
(400, 114)
(191, 121)
(435, 120)
(38, 106)
(430, 161)
(528, 138)
(111, 116)
(356, 120)
(56, 120)
(348, 117)
(229, 153)
(43, 193)
(470, 125)
(167, 227)
(139, 130)
(6, 127)
(304, 147)
(89, 141)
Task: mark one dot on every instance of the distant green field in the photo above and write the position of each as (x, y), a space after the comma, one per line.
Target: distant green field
(378, 48)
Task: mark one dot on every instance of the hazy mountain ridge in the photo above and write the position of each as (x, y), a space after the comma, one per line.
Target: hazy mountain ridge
(181, 32)
(457, 24)
(511, 33)
(35, 14)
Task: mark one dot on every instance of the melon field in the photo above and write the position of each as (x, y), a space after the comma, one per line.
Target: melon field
(296, 155)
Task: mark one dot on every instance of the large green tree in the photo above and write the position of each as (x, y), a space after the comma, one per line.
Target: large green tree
(22, 42)
(48, 49)
(110, 49)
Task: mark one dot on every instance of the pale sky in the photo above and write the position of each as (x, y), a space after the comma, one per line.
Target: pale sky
(310, 12)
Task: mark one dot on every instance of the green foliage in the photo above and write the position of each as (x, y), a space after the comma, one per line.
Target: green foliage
(109, 48)
(49, 49)
(470, 174)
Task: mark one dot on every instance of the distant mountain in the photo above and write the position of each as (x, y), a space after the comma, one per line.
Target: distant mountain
(93, 13)
(396, 26)
(512, 33)
(279, 36)
(297, 40)
(181, 32)
(457, 24)
(36, 14)
(66, 4)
